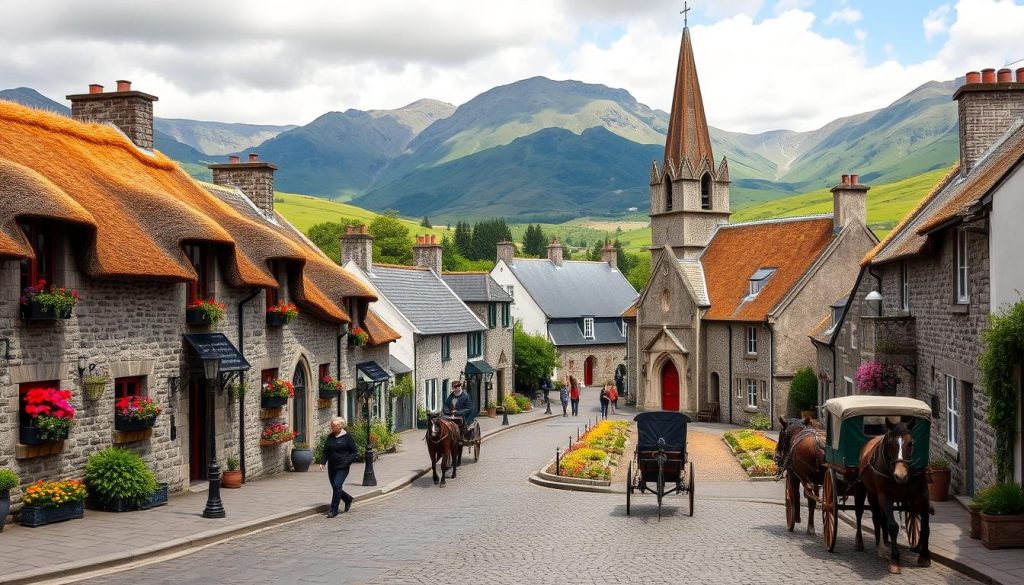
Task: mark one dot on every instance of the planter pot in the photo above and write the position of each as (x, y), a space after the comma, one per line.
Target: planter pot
(157, 498)
(34, 311)
(94, 390)
(276, 320)
(1002, 531)
(329, 394)
(31, 436)
(975, 532)
(32, 516)
(272, 401)
(196, 317)
(301, 459)
(122, 423)
(421, 423)
(938, 484)
(231, 479)
(491, 412)
(5, 508)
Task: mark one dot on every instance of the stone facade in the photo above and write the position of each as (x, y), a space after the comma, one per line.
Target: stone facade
(131, 111)
(498, 351)
(571, 359)
(431, 369)
(986, 110)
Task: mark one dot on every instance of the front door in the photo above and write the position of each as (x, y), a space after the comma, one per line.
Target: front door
(669, 387)
(588, 371)
(500, 376)
(197, 448)
(299, 404)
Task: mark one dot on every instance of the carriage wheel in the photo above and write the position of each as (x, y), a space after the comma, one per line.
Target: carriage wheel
(629, 485)
(830, 510)
(476, 444)
(912, 524)
(791, 505)
(691, 490)
(661, 484)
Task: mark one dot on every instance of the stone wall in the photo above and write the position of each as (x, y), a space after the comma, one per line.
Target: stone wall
(429, 366)
(131, 111)
(572, 357)
(745, 367)
(255, 179)
(498, 350)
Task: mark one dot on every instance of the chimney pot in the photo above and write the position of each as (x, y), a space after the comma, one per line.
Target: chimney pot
(95, 88)
(973, 77)
(362, 228)
(124, 85)
(233, 159)
(433, 238)
(1020, 75)
(1005, 75)
(846, 179)
(253, 157)
(988, 75)
(855, 179)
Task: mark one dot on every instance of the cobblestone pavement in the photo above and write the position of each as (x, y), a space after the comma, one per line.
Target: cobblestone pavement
(491, 526)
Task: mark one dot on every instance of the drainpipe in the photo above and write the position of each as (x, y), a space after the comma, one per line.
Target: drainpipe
(771, 374)
(835, 369)
(731, 389)
(241, 399)
(337, 368)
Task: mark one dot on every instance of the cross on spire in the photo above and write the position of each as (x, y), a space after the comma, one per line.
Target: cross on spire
(686, 16)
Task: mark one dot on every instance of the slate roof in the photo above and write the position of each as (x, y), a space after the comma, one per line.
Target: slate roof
(476, 287)
(575, 288)
(424, 299)
(570, 332)
(693, 272)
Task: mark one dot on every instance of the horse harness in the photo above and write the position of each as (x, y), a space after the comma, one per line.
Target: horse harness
(787, 458)
(880, 458)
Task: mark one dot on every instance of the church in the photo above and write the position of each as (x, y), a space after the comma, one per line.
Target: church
(721, 326)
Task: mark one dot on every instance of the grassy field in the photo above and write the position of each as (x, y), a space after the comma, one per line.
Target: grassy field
(305, 211)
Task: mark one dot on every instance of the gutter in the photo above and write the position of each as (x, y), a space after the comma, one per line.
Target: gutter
(241, 400)
(731, 389)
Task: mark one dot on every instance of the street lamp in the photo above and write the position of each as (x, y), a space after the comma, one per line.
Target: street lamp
(874, 300)
(366, 390)
(214, 507)
(487, 386)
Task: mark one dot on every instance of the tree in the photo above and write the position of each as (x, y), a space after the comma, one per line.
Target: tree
(391, 242)
(535, 242)
(450, 257)
(486, 235)
(640, 272)
(803, 390)
(426, 222)
(535, 357)
(463, 238)
(327, 236)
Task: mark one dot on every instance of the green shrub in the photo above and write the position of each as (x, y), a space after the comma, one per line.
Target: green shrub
(318, 447)
(730, 438)
(118, 474)
(384, 439)
(402, 388)
(803, 390)
(510, 405)
(760, 422)
(1004, 499)
(232, 463)
(522, 402)
(8, 480)
(746, 462)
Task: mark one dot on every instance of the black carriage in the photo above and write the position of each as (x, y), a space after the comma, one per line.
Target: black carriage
(660, 458)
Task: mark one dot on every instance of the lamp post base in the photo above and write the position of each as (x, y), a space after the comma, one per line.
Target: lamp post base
(548, 409)
(369, 479)
(214, 507)
(504, 417)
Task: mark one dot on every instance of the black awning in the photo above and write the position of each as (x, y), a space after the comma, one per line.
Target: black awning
(373, 371)
(214, 345)
(478, 367)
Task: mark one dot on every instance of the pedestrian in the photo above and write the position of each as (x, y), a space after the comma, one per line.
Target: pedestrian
(339, 454)
(613, 396)
(563, 395)
(545, 386)
(574, 395)
(605, 400)
(620, 379)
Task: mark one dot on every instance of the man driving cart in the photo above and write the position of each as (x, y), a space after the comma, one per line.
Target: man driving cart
(458, 405)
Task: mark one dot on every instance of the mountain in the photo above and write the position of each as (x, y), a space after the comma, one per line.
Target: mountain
(27, 96)
(217, 138)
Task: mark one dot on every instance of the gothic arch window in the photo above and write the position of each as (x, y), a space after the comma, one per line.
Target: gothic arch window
(668, 192)
(705, 191)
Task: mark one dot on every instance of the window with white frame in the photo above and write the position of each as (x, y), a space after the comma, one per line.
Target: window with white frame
(511, 289)
(963, 293)
(752, 340)
(588, 328)
(739, 388)
(758, 280)
(751, 393)
(764, 390)
(849, 386)
(952, 413)
(853, 335)
(904, 287)
(430, 398)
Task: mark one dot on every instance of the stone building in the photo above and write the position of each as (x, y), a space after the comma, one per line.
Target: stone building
(576, 305)
(84, 207)
(719, 327)
(935, 279)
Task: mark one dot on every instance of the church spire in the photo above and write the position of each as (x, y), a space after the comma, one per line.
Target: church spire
(688, 138)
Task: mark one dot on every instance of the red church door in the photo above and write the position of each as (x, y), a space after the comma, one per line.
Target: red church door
(669, 387)
(588, 371)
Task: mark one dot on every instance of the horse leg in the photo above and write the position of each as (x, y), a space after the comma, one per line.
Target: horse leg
(446, 462)
(433, 465)
(456, 458)
(811, 503)
(893, 529)
(924, 556)
(859, 495)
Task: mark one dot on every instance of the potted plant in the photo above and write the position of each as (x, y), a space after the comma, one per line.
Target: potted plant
(302, 457)
(492, 408)
(276, 393)
(118, 480)
(974, 509)
(47, 303)
(135, 413)
(357, 337)
(52, 501)
(281, 313)
(231, 477)
(275, 434)
(94, 385)
(939, 476)
(1002, 516)
(51, 416)
(8, 481)
(803, 392)
(330, 388)
(204, 312)
(421, 417)
(874, 377)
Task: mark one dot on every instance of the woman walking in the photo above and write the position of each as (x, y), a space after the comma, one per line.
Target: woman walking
(339, 454)
(605, 400)
(613, 396)
(563, 395)
(574, 395)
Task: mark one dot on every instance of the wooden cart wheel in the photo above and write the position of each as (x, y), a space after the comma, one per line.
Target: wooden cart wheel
(830, 510)
(691, 489)
(476, 445)
(791, 505)
(629, 485)
(661, 482)
(912, 525)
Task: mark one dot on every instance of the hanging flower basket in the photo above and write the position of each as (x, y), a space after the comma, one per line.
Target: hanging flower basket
(94, 386)
(330, 388)
(276, 434)
(357, 337)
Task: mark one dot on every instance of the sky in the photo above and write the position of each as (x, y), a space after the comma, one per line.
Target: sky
(763, 64)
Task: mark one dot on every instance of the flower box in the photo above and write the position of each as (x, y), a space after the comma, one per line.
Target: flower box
(33, 516)
(30, 435)
(195, 316)
(1002, 531)
(123, 423)
(273, 401)
(36, 311)
(328, 394)
(277, 319)
(271, 442)
(157, 498)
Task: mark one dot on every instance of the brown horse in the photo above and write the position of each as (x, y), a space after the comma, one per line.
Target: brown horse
(800, 455)
(888, 478)
(444, 443)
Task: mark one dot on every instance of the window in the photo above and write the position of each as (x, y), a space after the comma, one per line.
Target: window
(198, 289)
(356, 309)
(668, 192)
(506, 315)
(837, 315)
(43, 241)
(849, 386)
(474, 344)
(751, 340)
(952, 413)
(492, 315)
(751, 393)
(430, 398)
(963, 293)
(267, 376)
(758, 280)
(853, 335)
(764, 390)
(125, 387)
(511, 291)
(739, 388)
(705, 191)
(588, 328)
(904, 287)
(446, 348)
(325, 372)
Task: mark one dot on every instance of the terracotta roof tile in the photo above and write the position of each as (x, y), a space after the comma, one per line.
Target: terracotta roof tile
(630, 313)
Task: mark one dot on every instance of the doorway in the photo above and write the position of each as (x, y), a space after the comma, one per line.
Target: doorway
(588, 370)
(299, 403)
(713, 388)
(198, 450)
(669, 387)
(500, 375)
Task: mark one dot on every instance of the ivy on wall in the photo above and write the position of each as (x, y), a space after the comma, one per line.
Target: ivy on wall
(1004, 348)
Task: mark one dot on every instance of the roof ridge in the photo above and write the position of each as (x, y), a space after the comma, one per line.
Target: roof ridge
(773, 220)
(400, 266)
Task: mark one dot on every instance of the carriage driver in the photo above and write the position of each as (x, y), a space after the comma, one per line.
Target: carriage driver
(458, 404)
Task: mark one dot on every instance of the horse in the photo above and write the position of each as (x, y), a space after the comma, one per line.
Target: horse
(444, 443)
(888, 479)
(800, 455)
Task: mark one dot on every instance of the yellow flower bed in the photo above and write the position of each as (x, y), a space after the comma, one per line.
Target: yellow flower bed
(53, 494)
(755, 452)
(592, 456)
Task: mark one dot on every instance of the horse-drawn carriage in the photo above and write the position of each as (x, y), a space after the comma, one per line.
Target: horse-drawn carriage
(446, 438)
(660, 458)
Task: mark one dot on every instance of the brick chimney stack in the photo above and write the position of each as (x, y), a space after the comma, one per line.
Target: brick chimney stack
(506, 252)
(555, 251)
(357, 246)
(254, 178)
(131, 111)
(427, 253)
(610, 255)
(988, 103)
(849, 203)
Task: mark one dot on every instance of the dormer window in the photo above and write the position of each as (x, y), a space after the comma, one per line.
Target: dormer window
(200, 288)
(837, 313)
(705, 192)
(758, 280)
(43, 239)
(588, 328)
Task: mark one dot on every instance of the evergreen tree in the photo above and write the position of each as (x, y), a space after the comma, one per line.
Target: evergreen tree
(426, 222)
(534, 241)
(463, 238)
(451, 260)
(486, 235)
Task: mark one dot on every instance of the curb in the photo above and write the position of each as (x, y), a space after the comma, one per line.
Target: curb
(220, 534)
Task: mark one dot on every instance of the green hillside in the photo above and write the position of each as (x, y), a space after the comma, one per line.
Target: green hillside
(304, 212)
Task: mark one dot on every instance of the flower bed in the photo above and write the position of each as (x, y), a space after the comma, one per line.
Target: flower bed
(596, 453)
(755, 452)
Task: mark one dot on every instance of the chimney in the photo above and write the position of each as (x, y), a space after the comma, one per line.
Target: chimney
(131, 111)
(988, 103)
(357, 246)
(427, 253)
(610, 255)
(254, 178)
(506, 252)
(849, 203)
(555, 252)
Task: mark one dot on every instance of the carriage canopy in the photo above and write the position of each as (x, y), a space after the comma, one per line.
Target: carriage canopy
(667, 425)
(853, 420)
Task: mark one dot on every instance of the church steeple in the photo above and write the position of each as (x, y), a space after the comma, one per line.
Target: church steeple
(688, 138)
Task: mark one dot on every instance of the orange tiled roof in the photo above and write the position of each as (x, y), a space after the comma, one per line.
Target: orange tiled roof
(630, 313)
(737, 251)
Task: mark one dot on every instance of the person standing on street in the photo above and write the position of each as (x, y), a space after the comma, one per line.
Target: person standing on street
(563, 395)
(605, 400)
(339, 453)
(574, 395)
(613, 397)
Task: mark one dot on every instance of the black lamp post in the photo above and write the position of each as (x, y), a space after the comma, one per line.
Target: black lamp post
(214, 507)
(366, 391)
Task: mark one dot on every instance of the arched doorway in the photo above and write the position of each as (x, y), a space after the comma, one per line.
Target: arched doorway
(588, 371)
(299, 403)
(713, 388)
(669, 386)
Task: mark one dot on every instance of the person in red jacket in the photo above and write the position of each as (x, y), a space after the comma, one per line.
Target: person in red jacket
(574, 395)
(613, 395)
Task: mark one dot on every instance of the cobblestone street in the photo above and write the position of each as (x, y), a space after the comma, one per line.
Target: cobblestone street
(491, 526)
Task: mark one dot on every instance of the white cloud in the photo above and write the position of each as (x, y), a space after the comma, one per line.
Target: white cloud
(937, 22)
(860, 34)
(844, 15)
(787, 5)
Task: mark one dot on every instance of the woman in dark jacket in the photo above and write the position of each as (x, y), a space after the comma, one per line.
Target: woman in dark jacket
(339, 453)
